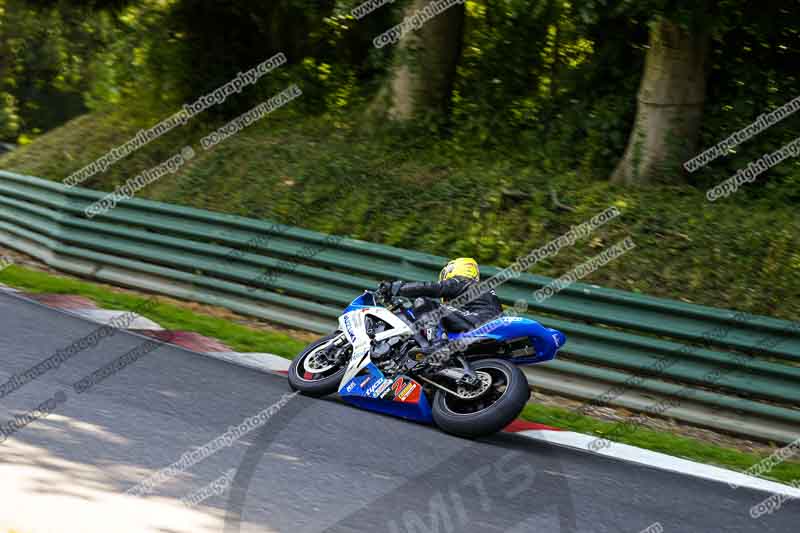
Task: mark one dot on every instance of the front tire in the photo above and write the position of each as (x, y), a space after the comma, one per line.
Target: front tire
(490, 413)
(311, 377)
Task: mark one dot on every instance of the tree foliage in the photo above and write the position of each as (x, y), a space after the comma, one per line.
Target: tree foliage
(556, 77)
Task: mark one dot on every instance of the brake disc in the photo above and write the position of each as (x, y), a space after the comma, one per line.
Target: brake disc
(317, 361)
(470, 393)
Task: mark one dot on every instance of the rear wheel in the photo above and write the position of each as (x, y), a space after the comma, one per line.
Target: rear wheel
(318, 370)
(500, 399)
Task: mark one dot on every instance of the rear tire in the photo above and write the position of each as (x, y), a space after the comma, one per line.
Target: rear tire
(453, 415)
(316, 385)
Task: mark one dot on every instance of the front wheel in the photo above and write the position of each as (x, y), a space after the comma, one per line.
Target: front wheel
(505, 394)
(317, 370)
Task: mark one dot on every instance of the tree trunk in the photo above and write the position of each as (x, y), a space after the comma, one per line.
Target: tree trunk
(424, 66)
(670, 106)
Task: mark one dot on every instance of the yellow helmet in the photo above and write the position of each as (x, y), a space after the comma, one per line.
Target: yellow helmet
(465, 267)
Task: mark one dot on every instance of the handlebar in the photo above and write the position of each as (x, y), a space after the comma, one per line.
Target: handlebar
(383, 297)
(380, 297)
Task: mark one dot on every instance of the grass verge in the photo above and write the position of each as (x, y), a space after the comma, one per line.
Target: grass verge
(246, 339)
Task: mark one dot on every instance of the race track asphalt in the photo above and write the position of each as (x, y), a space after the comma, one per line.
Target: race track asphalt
(315, 465)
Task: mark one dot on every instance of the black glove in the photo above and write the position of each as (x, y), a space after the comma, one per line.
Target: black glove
(389, 289)
(384, 291)
(396, 286)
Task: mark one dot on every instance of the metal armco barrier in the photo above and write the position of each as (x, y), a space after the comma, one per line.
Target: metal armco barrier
(743, 368)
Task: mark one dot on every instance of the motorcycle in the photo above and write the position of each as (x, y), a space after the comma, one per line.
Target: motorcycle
(389, 356)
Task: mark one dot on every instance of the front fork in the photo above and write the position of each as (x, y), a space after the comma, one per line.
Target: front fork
(332, 352)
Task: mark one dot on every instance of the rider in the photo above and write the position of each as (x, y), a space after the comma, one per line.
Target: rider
(454, 280)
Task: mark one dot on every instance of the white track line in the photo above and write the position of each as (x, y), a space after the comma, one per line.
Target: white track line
(659, 460)
(104, 316)
(266, 362)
